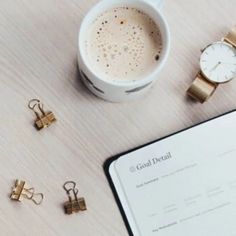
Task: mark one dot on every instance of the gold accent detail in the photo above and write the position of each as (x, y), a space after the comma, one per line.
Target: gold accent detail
(73, 205)
(43, 119)
(231, 37)
(201, 89)
(19, 191)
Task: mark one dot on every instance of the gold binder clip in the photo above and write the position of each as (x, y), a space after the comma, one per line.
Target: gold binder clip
(76, 204)
(19, 191)
(44, 119)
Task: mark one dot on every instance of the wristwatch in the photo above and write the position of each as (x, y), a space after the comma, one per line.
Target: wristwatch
(218, 66)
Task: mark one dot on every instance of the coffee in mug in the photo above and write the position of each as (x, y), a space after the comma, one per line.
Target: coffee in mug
(123, 44)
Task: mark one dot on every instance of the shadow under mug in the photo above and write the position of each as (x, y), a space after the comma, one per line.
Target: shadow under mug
(119, 91)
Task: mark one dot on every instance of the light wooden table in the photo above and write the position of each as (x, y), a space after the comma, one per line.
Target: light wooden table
(38, 47)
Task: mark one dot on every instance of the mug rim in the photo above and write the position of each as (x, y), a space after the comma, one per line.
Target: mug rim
(146, 79)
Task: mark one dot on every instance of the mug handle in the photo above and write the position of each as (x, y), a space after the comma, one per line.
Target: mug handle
(156, 3)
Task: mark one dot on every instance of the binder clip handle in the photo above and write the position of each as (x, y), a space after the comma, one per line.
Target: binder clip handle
(32, 105)
(36, 198)
(28, 193)
(75, 192)
(69, 185)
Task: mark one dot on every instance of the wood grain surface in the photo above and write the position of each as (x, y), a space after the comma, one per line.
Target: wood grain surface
(38, 49)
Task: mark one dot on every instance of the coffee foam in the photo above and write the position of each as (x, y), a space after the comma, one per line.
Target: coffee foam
(123, 44)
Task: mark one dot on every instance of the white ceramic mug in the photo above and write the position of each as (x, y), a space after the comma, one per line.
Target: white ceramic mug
(118, 91)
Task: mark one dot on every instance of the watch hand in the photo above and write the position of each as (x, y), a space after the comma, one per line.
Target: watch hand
(228, 63)
(215, 66)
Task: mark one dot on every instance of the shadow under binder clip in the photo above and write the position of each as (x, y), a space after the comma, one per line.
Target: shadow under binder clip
(43, 119)
(19, 191)
(74, 204)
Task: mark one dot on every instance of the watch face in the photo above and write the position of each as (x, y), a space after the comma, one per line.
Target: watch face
(218, 62)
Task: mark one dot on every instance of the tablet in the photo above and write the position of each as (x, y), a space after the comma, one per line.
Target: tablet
(183, 184)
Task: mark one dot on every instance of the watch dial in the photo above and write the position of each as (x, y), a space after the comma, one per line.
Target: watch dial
(218, 62)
